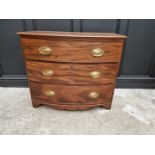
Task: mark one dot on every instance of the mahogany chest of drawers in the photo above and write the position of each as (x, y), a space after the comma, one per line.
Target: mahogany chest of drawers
(72, 70)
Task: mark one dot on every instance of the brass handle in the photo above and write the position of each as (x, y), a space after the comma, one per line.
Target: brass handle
(95, 74)
(49, 93)
(47, 72)
(97, 52)
(45, 50)
(94, 95)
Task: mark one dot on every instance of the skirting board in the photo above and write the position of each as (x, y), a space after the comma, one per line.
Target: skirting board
(142, 81)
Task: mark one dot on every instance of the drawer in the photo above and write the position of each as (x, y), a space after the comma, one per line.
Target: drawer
(71, 73)
(67, 94)
(72, 50)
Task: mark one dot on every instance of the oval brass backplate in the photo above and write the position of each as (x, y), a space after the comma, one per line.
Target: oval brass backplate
(47, 72)
(95, 74)
(45, 50)
(49, 93)
(94, 95)
(97, 52)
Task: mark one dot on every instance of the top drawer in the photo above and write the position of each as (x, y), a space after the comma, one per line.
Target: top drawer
(72, 50)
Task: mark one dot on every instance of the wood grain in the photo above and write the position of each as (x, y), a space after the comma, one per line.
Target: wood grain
(72, 50)
(72, 62)
(38, 102)
(71, 94)
(70, 73)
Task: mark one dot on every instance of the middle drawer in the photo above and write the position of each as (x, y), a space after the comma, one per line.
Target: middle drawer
(70, 73)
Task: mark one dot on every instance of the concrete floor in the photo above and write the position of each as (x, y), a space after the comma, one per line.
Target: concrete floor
(133, 112)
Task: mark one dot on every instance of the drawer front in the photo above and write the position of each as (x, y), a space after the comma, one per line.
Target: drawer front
(70, 50)
(65, 73)
(66, 94)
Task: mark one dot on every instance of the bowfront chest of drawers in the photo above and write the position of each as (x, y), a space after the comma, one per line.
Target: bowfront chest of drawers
(72, 70)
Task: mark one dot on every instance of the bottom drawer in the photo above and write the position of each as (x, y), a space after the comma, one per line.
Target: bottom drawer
(71, 94)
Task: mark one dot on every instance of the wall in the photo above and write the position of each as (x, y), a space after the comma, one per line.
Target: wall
(137, 68)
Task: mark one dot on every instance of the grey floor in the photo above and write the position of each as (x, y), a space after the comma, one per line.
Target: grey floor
(133, 112)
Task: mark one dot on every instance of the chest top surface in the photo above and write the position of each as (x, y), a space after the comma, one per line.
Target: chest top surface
(72, 34)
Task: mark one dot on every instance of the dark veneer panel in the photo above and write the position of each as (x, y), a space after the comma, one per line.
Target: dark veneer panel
(11, 58)
(140, 48)
(53, 24)
(137, 56)
(99, 25)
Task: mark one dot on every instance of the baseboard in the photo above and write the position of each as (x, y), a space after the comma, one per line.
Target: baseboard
(140, 81)
(122, 81)
(13, 81)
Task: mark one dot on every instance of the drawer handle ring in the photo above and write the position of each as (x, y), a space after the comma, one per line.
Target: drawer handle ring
(94, 95)
(47, 72)
(49, 93)
(44, 50)
(95, 74)
(97, 52)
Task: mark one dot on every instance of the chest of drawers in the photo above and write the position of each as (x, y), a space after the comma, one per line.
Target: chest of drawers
(72, 70)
